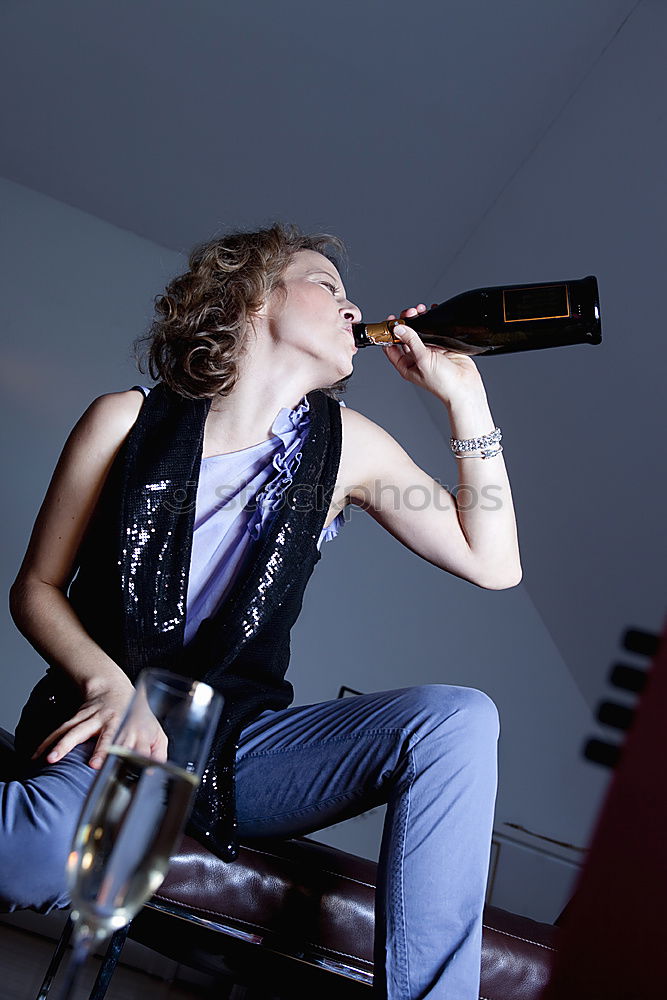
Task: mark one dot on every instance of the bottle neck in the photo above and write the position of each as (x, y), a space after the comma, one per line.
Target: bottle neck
(366, 334)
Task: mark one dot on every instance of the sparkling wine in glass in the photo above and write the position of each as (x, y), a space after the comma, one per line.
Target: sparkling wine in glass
(136, 809)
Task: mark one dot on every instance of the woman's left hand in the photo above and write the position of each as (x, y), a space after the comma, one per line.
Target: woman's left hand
(447, 374)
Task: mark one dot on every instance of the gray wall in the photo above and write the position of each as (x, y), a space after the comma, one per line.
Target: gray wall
(76, 291)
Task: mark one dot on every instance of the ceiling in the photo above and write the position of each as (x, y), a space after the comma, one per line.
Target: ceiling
(394, 125)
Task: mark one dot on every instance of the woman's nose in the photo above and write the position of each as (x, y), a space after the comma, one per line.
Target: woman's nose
(352, 312)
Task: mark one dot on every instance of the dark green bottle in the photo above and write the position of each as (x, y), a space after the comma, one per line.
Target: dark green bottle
(503, 319)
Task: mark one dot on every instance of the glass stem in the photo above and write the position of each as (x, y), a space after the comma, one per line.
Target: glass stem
(81, 945)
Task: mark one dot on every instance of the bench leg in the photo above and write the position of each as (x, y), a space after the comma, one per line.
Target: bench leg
(57, 958)
(108, 967)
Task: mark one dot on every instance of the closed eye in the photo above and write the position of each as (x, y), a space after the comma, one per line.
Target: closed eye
(328, 284)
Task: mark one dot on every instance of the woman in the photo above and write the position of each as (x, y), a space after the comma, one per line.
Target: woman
(180, 529)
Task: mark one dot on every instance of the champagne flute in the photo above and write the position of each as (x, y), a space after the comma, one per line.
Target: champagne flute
(136, 810)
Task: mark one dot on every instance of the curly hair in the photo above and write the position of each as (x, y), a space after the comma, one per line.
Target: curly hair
(197, 339)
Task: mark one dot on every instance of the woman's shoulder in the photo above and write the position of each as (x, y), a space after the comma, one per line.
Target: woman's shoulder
(119, 406)
(360, 430)
(361, 437)
(370, 453)
(111, 416)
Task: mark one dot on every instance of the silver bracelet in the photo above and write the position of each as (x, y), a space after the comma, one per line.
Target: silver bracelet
(487, 446)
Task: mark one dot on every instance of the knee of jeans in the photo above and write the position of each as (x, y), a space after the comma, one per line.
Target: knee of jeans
(475, 707)
(483, 710)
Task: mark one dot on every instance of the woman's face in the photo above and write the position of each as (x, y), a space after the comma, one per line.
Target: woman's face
(312, 319)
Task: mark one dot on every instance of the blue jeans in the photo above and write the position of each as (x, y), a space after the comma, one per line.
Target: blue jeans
(428, 752)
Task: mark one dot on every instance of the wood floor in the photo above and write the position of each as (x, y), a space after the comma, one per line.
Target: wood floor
(24, 958)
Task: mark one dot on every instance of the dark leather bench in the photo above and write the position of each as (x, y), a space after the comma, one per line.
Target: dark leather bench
(299, 914)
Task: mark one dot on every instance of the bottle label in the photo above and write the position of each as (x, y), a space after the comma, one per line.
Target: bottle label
(541, 302)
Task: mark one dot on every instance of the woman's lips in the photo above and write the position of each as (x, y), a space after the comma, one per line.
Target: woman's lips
(348, 329)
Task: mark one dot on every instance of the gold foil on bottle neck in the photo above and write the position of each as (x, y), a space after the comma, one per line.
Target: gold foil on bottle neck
(381, 333)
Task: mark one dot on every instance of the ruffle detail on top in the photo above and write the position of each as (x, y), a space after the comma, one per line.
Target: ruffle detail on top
(328, 534)
(291, 426)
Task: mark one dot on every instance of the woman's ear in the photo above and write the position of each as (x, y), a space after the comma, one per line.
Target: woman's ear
(274, 300)
(257, 318)
(262, 311)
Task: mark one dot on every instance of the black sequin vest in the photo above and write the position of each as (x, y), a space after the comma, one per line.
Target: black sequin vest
(130, 586)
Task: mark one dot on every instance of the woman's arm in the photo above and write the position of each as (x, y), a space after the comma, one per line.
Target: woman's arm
(38, 602)
(473, 534)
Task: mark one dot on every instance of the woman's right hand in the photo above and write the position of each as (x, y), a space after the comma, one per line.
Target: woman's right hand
(105, 702)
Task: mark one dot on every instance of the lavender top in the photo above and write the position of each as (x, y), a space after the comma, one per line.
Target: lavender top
(226, 523)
